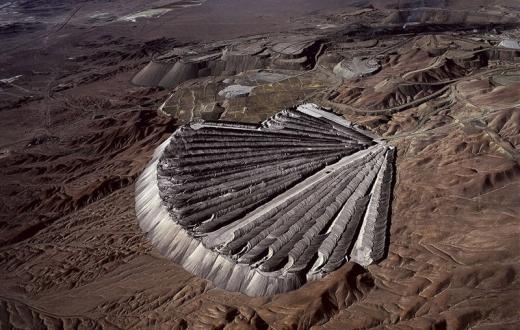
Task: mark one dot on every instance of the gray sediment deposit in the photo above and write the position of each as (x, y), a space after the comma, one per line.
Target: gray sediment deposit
(357, 67)
(510, 43)
(262, 209)
(233, 91)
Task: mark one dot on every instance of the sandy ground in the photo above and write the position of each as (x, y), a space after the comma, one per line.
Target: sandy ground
(75, 135)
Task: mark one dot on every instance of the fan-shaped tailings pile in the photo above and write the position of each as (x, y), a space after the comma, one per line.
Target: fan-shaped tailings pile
(262, 209)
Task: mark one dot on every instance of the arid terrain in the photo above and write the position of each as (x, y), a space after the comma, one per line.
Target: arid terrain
(88, 90)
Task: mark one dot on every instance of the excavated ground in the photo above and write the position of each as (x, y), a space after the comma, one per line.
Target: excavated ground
(75, 134)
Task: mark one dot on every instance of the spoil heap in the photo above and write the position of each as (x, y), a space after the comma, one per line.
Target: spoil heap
(262, 209)
(169, 74)
(356, 68)
(510, 43)
(180, 65)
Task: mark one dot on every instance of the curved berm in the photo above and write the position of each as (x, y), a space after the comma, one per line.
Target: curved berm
(261, 209)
